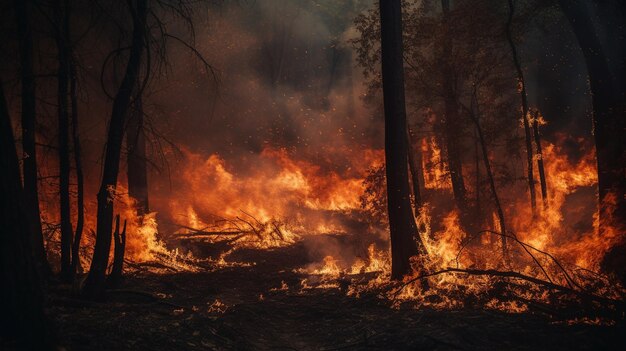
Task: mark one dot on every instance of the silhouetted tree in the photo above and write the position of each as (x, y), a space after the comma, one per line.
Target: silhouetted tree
(29, 114)
(136, 158)
(524, 98)
(405, 241)
(95, 282)
(80, 191)
(451, 121)
(609, 118)
(540, 166)
(62, 42)
(23, 320)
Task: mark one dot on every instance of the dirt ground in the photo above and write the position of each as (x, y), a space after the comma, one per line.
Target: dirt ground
(244, 308)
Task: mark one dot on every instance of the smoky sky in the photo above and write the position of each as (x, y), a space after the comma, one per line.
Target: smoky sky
(285, 77)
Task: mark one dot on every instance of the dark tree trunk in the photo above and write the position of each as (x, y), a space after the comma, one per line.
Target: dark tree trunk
(524, 97)
(452, 123)
(477, 207)
(136, 158)
(492, 184)
(80, 192)
(609, 118)
(63, 150)
(414, 168)
(21, 298)
(403, 230)
(118, 253)
(29, 113)
(95, 282)
(540, 167)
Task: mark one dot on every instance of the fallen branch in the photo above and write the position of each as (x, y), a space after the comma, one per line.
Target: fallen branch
(515, 275)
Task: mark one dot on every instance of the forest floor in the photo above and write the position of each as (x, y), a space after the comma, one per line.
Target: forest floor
(244, 308)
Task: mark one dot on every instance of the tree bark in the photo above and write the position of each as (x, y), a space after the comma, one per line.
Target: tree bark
(63, 125)
(414, 168)
(402, 226)
(452, 125)
(540, 167)
(80, 192)
(118, 253)
(29, 113)
(477, 207)
(136, 159)
(21, 297)
(609, 118)
(95, 282)
(492, 184)
(524, 98)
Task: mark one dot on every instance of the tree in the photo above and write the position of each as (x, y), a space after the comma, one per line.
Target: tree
(136, 158)
(23, 320)
(524, 98)
(95, 282)
(540, 166)
(80, 192)
(609, 116)
(451, 121)
(417, 176)
(405, 241)
(29, 114)
(63, 72)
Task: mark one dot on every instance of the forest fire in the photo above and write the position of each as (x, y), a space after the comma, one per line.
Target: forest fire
(358, 175)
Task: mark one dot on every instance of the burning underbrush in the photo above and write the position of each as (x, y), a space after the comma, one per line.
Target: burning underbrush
(549, 264)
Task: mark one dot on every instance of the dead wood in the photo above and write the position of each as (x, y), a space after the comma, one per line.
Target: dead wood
(516, 275)
(119, 238)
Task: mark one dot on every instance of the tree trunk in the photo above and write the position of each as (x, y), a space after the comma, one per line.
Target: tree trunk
(542, 172)
(415, 176)
(402, 226)
(524, 97)
(21, 297)
(80, 192)
(136, 159)
(452, 125)
(609, 116)
(63, 150)
(492, 183)
(29, 113)
(477, 207)
(95, 282)
(118, 253)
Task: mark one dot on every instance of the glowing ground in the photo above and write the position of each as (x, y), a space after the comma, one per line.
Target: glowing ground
(264, 307)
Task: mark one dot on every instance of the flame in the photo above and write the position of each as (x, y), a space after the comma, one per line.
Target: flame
(436, 175)
(276, 202)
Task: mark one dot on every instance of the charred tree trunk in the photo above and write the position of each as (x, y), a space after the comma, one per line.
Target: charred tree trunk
(609, 116)
(29, 113)
(540, 167)
(136, 158)
(95, 282)
(477, 206)
(524, 97)
(23, 320)
(118, 253)
(492, 184)
(80, 192)
(415, 177)
(63, 150)
(452, 125)
(402, 226)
